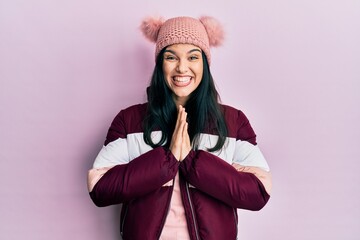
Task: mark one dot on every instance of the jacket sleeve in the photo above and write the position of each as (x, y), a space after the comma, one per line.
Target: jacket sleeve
(137, 178)
(121, 172)
(215, 177)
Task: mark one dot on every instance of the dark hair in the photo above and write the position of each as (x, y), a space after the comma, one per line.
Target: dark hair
(203, 109)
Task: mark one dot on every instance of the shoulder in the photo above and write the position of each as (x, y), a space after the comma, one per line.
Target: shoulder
(129, 120)
(231, 111)
(233, 116)
(133, 112)
(238, 124)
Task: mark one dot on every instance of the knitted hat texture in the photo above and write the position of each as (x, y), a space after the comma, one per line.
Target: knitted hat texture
(204, 32)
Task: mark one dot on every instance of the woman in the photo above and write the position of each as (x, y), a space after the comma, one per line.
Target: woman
(181, 164)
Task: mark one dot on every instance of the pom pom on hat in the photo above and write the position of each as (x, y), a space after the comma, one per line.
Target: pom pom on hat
(150, 27)
(214, 30)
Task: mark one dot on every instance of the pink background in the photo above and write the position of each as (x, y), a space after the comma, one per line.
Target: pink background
(67, 67)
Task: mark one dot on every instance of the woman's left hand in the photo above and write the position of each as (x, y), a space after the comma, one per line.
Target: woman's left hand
(262, 175)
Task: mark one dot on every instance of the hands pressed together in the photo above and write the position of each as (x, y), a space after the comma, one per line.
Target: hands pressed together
(180, 145)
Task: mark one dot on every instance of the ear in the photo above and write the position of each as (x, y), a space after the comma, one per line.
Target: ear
(150, 27)
(214, 30)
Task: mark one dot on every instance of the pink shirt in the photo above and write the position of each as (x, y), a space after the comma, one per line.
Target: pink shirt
(175, 227)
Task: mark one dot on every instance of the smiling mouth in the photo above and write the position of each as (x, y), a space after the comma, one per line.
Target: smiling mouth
(182, 81)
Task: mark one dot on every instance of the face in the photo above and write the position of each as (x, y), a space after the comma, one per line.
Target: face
(183, 70)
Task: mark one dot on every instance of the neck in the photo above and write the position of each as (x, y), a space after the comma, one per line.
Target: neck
(180, 101)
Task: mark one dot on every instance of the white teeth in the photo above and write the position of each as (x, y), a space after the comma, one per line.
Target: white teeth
(182, 79)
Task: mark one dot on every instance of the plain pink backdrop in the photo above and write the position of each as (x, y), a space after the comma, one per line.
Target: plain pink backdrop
(67, 67)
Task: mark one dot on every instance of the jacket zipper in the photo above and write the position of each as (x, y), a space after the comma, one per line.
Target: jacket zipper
(192, 211)
(123, 221)
(167, 208)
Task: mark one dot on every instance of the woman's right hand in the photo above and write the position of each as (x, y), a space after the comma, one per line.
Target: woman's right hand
(180, 141)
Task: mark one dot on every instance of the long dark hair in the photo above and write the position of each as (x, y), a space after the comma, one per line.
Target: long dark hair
(203, 109)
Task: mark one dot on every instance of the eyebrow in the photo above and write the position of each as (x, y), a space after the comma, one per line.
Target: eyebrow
(192, 50)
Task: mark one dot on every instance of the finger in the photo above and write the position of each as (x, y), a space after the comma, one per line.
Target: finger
(182, 127)
(238, 167)
(186, 130)
(183, 114)
(180, 121)
(177, 135)
(187, 138)
(178, 118)
(186, 146)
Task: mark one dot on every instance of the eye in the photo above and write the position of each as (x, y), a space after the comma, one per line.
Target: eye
(170, 57)
(193, 57)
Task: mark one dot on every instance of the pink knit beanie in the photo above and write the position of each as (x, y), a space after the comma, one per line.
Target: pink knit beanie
(204, 32)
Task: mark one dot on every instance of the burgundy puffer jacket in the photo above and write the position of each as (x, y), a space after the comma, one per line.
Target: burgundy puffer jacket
(130, 172)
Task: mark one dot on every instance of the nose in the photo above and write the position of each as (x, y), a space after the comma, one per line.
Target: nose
(182, 66)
